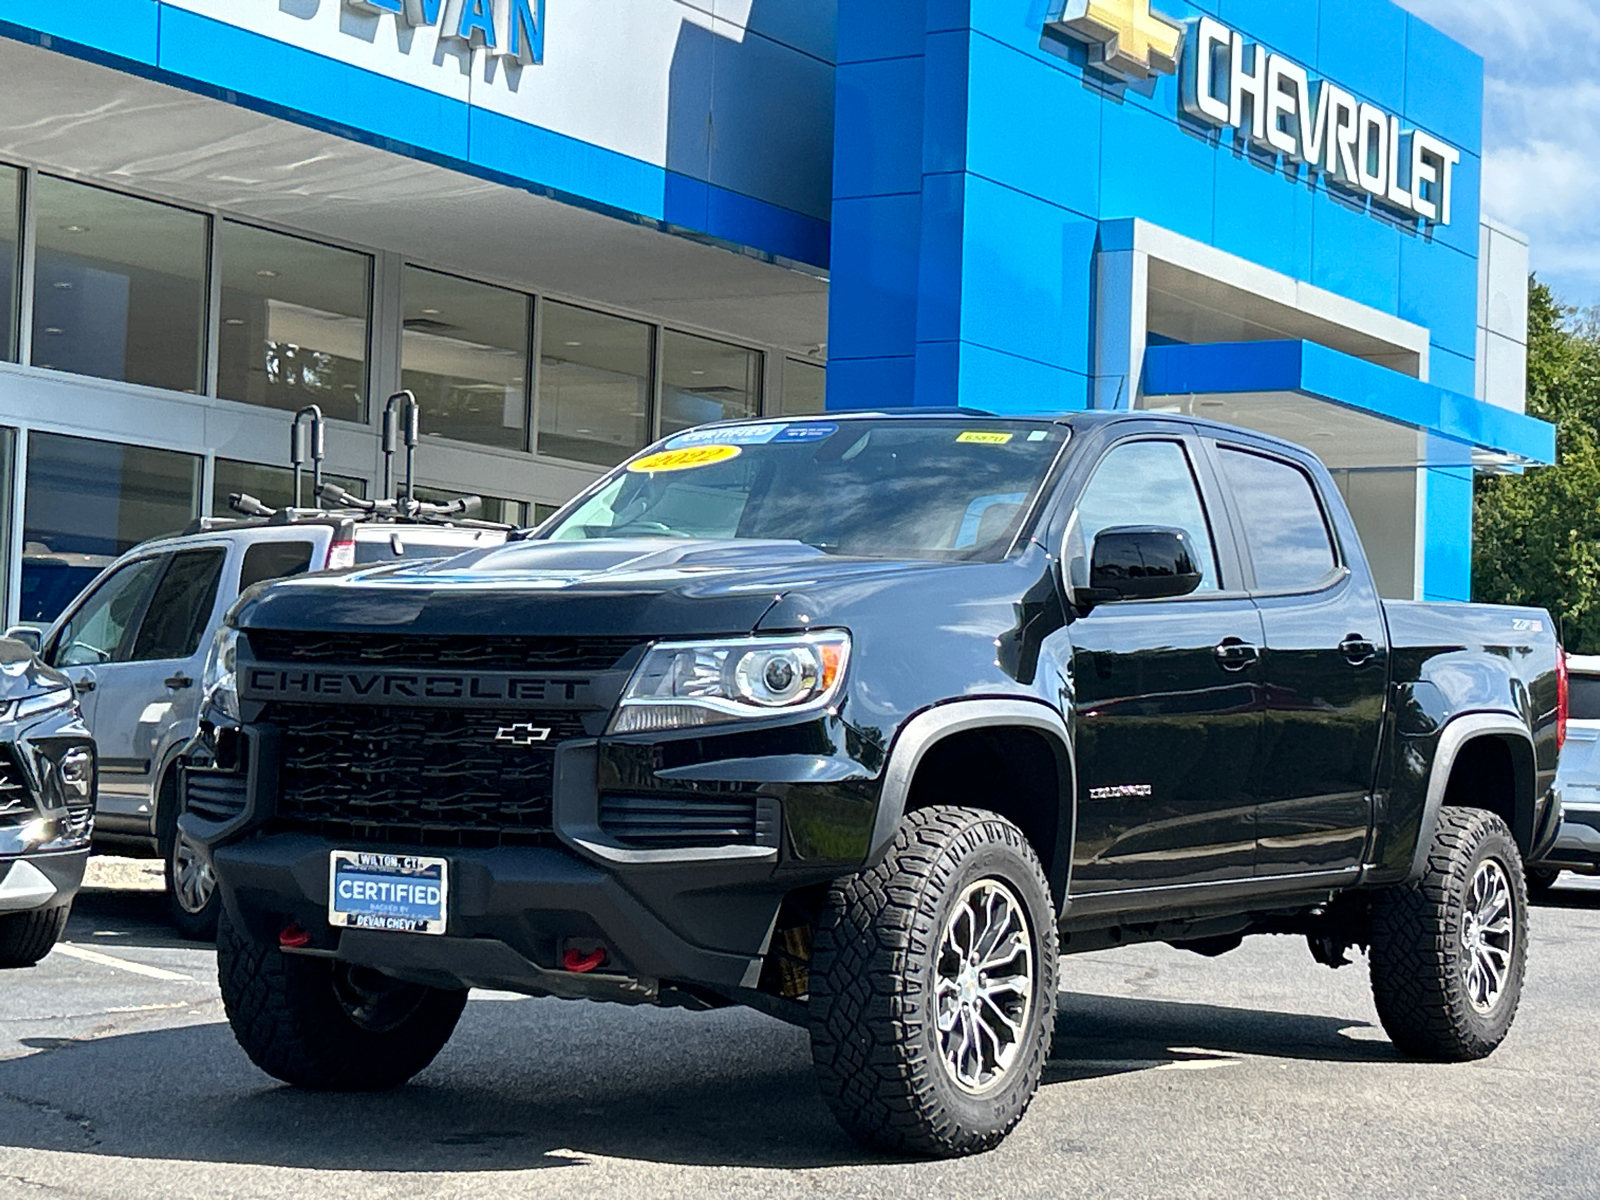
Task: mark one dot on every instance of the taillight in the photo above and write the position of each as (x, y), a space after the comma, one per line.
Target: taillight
(1561, 698)
(341, 554)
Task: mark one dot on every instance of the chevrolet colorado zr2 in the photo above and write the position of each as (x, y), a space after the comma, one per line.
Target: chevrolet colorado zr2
(866, 721)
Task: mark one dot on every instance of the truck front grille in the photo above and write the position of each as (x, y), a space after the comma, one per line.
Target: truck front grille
(424, 651)
(419, 777)
(15, 798)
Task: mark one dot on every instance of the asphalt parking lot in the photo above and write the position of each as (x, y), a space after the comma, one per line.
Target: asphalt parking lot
(1256, 1074)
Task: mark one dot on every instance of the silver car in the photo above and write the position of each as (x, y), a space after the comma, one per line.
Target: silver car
(1577, 847)
(134, 645)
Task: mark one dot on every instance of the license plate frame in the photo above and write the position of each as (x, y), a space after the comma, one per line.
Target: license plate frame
(381, 892)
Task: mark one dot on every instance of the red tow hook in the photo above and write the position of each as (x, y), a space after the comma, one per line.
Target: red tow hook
(293, 936)
(581, 962)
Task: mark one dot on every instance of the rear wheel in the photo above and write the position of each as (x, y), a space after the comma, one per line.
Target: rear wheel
(933, 982)
(329, 1025)
(26, 937)
(1449, 951)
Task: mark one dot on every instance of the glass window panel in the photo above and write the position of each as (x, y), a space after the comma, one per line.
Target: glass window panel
(273, 486)
(87, 502)
(465, 355)
(1141, 483)
(10, 242)
(119, 289)
(103, 629)
(181, 607)
(1283, 522)
(274, 560)
(805, 388)
(594, 385)
(543, 512)
(703, 380)
(294, 322)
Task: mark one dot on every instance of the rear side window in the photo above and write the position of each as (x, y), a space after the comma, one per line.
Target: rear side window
(1290, 546)
(1583, 697)
(274, 560)
(181, 608)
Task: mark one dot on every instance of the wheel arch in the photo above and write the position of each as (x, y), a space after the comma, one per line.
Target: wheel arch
(1483, 760)
(1046, 812)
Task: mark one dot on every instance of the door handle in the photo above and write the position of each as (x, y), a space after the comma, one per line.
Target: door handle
(83, 685)
(179, 681)
(1357, 650)
(1235, 655)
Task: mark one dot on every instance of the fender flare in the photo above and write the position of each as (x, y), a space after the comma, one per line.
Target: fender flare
(1457, 732)
(923, 731)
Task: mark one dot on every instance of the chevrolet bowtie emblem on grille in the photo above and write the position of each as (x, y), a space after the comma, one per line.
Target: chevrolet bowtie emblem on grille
(522, 735)
(1131, 40)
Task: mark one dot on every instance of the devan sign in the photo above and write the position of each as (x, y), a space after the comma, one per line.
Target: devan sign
(507, 29)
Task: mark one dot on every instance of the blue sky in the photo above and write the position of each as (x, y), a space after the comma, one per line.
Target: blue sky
(1541, 126)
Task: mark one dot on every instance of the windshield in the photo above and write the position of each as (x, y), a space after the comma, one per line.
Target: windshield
(869, 488)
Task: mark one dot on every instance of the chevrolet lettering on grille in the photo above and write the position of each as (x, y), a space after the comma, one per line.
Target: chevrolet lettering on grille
(522, 735)
(408, 687)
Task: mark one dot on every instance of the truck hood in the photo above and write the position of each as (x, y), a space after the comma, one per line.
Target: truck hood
(651, 586)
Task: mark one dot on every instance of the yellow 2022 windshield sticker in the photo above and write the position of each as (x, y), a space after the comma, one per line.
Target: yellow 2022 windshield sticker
(683, 460)
(985, 439)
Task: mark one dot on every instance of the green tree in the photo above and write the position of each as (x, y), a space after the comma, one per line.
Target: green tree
(1536, 537)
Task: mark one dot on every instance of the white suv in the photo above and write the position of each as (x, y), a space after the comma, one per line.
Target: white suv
(1577, 846)
(134, 645)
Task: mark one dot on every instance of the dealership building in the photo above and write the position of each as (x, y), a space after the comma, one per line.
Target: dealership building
(573, 226)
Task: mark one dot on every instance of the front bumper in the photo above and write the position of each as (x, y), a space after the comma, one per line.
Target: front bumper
(700, 915)
(41, 880)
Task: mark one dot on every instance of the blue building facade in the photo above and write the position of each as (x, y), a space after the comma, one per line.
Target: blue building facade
(574, 225)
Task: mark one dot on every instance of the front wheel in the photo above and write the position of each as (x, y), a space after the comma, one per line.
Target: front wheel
(192, 903)
(26, 937)
(933, 984)
(1449, 951)
(329, 1025)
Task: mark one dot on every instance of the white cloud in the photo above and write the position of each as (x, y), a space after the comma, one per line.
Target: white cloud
(1541, 125)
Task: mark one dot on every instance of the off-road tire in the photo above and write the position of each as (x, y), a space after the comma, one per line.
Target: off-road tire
(288, 1018)
(26, 937)
(874, 1032)
(1542, 879)
(1418, 958)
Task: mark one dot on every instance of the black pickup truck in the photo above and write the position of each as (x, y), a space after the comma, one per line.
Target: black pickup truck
(863, 721)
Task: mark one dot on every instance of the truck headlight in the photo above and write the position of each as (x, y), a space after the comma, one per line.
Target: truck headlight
(684, 684)
(219, 682)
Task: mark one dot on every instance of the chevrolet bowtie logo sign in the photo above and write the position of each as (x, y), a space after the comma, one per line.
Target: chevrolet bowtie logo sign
(1132, 41)
(522, 735)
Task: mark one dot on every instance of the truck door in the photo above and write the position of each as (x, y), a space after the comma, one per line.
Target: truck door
(1325, 666)
(96, 635)
(155, 687)
(1165, 692)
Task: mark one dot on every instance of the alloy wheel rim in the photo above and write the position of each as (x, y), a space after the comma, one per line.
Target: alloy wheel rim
(1488, 935)
(192, 880)
(983, 985)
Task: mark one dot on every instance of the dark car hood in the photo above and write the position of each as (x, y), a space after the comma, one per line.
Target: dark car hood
(649, 586)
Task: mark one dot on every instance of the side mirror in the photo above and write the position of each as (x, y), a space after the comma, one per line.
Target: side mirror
(1140, 562)
(28, 635)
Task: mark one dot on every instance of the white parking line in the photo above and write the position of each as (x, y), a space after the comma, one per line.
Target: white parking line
(122, 964)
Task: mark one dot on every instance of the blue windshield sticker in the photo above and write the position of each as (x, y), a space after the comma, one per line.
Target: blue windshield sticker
(807, 431)
(726, 435)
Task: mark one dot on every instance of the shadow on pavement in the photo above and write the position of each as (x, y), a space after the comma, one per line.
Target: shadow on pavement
(1099, 1035)
(541, 1083)
(110, 917)
(1565, 896)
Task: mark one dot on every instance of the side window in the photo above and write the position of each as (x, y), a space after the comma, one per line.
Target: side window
(274, 560)
(1290, 546)
(101, 629)
(181, 607)
(1141, 483)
